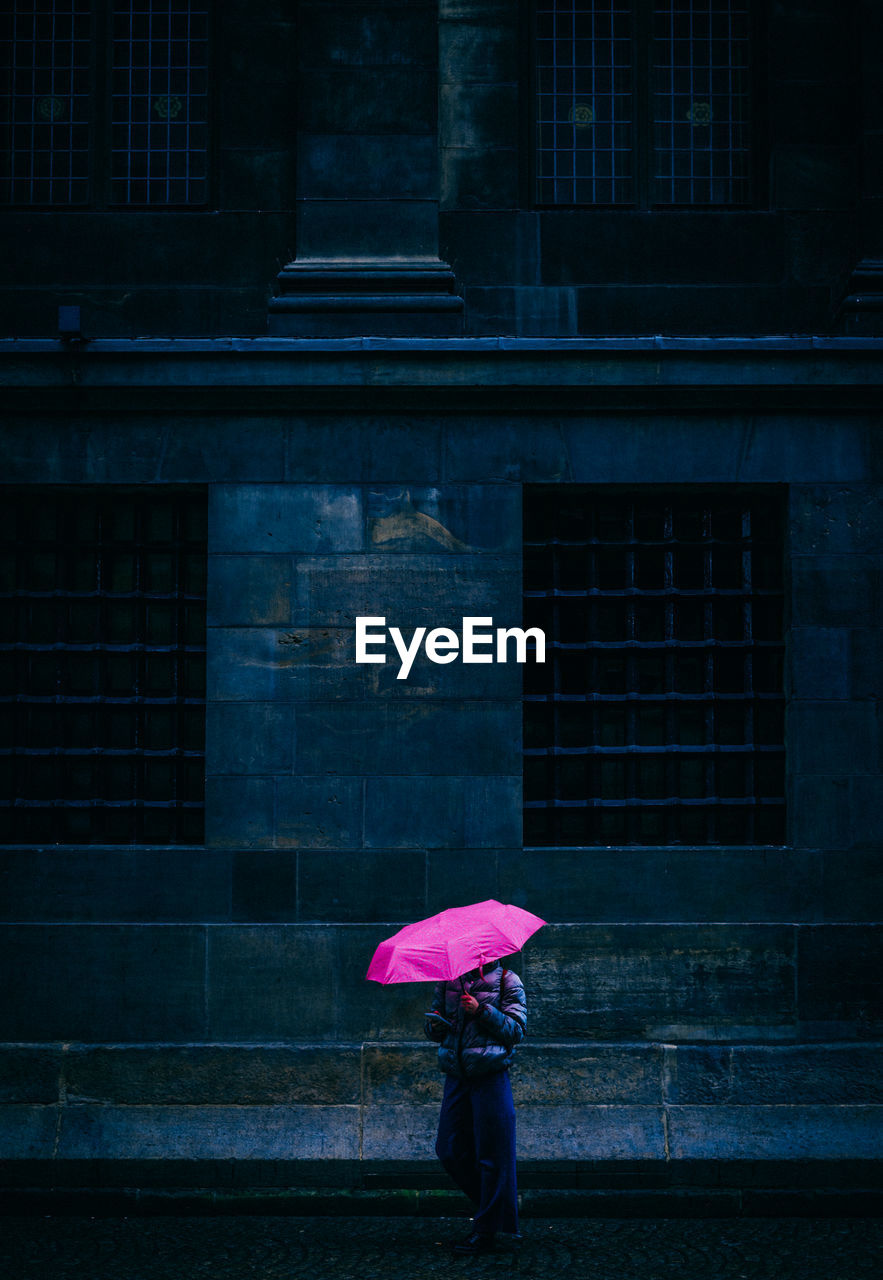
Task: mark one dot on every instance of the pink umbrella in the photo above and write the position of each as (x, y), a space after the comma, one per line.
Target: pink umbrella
(452, 942)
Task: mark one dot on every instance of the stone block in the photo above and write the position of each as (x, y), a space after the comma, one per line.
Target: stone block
(782, 1075)
(264, 664)
(654, 449)
(361, 886)
(795, 1132)
(271, 982)
(852, 884)
(389, 449)
(657, 981)
(249, 591)
(27, 1133)
(829, 519)
(478, 115)
(482, 447)
(240, 812)
(479, 178)
(820, 812)
(839, 984)
(460, 876)
(630, 885)
(695, 247)
(487, 247)
(478, 52)
(818, 243)
(319, 813)
(262, 179)
(832, 737)
(801, 448)
(680, 310)
(399, 1132)
(395, 1075)
(366, 228)
(441, 812)
(257, 111)
(29, 1074)
(331, 99)
(384, 35)
(567, 1075)
(415, 737)
(814, 177)
(410, 591)
(249, 737)
(103, 982)
(369, 1010)
(111, 884)
(269, 518)
(364, 166)
(593, 1132)
(865, 662)
(820, 662)
(461, 519)
(835, 591)
(216, 1075)
(264, 887)
(208, 1133)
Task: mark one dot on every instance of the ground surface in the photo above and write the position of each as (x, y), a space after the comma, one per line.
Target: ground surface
(335, 1248)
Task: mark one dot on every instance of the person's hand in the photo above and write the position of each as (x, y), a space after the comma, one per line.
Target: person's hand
(468, 1004)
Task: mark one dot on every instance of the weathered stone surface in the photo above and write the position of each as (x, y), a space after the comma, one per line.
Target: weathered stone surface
(90, 982)
(650, 981)
(248, 591)
(399, 1133)
(284, 518)
(590, 1132)
(839, 987)
(30, 1073)
(27, 1132)
(433, 813)
(249, 738)
(364, 885)
(271, 982)
(210, 1074)
(832, 1074)
(318, 812)
(208, 1133)
(389, 738)
(795, 1132)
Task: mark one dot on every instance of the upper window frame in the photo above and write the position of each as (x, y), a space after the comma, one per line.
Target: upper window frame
(642, 149)
(99, 177)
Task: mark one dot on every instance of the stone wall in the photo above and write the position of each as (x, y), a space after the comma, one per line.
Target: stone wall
(200, 1015)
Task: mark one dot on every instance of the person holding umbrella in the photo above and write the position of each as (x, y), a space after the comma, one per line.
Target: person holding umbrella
(477, 1021)
(478, 1016)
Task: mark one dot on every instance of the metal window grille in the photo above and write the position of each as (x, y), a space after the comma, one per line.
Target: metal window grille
(658, 716)
(701, 102)
(102, 666)
(584, 102)
(159, 102)
(604, 136)
(45, 53)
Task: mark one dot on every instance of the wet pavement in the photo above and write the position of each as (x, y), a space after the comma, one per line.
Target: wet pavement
(340, 1248)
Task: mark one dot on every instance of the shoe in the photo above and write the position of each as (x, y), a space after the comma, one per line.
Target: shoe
(476, 1242)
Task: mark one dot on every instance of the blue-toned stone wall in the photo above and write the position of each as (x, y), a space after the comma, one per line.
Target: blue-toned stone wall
(200, 1015)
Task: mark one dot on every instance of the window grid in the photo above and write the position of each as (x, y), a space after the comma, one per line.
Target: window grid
(45, 52)
(102, 667)
(159, 102)
(584, 102)
(603, 139)
(701, 102)
(658, 717)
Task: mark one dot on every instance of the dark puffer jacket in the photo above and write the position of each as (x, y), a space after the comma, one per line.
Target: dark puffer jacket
(485, 1042)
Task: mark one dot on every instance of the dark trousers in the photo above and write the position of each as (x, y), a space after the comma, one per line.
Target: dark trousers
(476, 1145)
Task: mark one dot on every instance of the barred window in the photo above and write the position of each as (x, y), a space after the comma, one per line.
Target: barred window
(106, 102)
(643, 102)
(658, 716)
(102, 666)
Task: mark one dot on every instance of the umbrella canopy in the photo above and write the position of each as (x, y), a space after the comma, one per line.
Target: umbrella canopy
(452, 942)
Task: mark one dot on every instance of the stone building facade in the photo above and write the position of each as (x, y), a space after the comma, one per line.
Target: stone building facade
(450, 310)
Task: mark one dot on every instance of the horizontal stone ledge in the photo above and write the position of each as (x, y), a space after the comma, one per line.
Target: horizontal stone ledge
(767, 361)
